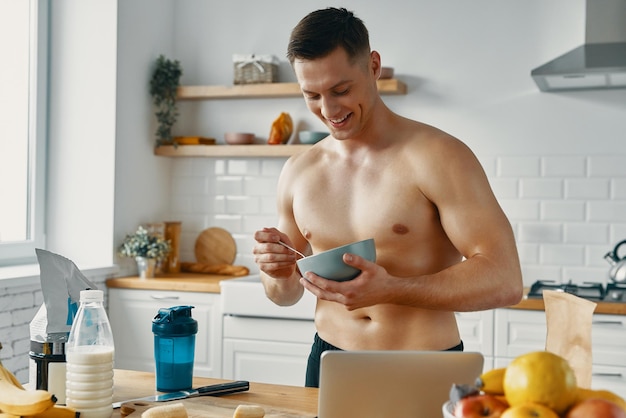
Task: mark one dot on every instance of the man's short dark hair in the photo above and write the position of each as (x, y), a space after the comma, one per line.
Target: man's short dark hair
(322, 31)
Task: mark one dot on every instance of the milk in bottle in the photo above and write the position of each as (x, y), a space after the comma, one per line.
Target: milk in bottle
(89, 355)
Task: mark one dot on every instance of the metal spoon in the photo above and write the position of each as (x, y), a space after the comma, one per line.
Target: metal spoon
(292, 249)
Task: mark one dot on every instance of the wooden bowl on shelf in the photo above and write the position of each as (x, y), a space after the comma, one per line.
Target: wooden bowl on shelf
(239, 138)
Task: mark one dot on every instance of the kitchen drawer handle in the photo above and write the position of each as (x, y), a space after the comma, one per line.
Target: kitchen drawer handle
(164, 297)
(620, 323)
(617, 375)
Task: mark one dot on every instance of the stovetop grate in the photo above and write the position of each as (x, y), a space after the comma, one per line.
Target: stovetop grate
(615, 286)
(589, 290)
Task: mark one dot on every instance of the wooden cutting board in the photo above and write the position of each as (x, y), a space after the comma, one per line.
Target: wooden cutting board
(207, 406)
(215, 246)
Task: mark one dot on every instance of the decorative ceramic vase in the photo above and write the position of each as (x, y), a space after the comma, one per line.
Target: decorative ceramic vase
(172, 233)
(145, 266)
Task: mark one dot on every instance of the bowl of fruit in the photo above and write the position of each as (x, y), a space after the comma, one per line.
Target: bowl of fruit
(538, 384)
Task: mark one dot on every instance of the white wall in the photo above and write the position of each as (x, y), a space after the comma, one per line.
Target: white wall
(142, 186)
(81, 130)
(467, 65)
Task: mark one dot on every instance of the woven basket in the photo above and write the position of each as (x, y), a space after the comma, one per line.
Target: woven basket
(255, 69)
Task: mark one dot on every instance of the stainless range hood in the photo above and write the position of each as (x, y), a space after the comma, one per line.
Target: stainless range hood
(598, 64)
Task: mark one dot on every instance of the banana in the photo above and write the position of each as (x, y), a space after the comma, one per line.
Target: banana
(3, 415)
(10, 376)
(249, 411)
(57, 411)
(176, 410)
(492, 381)
(17, 401)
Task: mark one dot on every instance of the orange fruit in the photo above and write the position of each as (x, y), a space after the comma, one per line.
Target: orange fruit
(541, 377)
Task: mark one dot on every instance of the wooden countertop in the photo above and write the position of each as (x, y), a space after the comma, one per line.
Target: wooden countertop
(601, 308)
(210, 283)
(185, 282)
(298, 401)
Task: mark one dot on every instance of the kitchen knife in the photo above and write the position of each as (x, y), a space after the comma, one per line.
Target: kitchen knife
(214, 390)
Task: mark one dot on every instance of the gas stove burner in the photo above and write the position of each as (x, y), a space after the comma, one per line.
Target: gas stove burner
(615, 292)
(589, 290)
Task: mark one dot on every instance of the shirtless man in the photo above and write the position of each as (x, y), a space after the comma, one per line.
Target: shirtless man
(443, 243)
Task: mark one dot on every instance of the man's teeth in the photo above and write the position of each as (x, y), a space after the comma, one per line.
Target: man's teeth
(339, 120)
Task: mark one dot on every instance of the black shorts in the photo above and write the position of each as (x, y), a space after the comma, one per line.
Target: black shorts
(318, 347)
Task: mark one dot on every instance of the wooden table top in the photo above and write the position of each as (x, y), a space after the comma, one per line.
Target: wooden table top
(299, 401)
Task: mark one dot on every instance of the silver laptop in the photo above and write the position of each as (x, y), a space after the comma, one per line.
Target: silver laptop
(392, 384)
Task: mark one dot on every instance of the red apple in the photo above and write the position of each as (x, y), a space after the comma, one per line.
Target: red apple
(596, 408)
(479, 406)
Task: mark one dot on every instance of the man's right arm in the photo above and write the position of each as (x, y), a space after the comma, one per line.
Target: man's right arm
(283, 292)
(279, 273)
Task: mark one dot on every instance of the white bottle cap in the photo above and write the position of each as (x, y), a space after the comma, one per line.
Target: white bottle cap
(92, 295)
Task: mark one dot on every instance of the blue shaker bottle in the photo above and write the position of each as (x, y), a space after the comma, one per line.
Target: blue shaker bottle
(174, 346)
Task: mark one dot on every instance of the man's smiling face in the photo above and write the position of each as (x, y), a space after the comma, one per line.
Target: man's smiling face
(339, 91)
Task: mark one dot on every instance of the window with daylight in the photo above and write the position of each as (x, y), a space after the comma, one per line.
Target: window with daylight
(23, 74)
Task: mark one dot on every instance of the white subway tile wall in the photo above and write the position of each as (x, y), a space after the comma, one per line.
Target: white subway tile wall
(566, 212)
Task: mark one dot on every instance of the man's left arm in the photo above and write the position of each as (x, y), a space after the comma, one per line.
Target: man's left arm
(490, 275)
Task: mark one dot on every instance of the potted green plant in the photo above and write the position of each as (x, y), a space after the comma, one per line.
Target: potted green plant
(163, 88)
(146, 248)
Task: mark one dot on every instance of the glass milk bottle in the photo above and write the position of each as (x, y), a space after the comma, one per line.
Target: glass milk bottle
(89, 355)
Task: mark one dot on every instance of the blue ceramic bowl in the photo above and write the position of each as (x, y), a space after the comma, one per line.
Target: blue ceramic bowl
(329, 264)
(311, 137)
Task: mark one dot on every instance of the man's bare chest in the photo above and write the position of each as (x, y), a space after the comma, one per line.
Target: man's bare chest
(342, 210)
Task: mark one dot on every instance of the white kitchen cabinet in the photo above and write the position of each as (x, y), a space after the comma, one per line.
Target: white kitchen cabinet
(267, 350)
(476, 329)
(609, 340)
(521, 331)
(518, 332)
(611, 378)
(131, 312)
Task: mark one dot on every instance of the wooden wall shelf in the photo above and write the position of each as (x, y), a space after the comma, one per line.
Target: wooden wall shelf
(230, 150)
(251, 91)
(268, 90)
